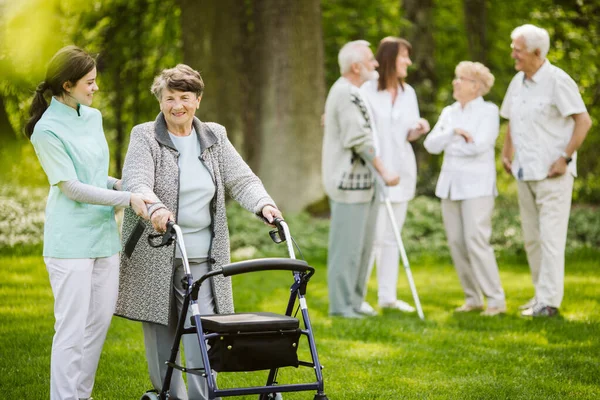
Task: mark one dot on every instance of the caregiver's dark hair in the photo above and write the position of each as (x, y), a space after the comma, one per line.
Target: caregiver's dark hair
(69, 64)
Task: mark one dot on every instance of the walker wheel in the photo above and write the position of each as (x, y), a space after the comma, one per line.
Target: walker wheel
(271, 396)
(150, 395)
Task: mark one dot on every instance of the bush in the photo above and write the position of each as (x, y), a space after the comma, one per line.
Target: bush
(22, 225)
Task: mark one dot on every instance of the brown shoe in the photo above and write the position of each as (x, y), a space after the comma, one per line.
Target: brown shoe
(468, 308)
(493, 311)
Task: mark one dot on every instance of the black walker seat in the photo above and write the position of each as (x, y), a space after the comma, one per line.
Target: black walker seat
(252, 341)
(247, 341)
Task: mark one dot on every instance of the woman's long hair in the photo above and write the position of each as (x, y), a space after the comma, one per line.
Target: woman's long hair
(387, 52)
(69, 64)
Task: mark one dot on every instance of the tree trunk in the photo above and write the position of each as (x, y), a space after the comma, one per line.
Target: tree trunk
(419, 32)
(215, 39)
(7, 132)
(290, 94)
(475, 23)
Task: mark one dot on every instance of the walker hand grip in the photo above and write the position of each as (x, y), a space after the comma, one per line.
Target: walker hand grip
(267, 264)
(278, 235)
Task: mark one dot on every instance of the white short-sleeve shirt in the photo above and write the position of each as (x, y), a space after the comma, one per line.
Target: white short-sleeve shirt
(539, 112)
(392, 123)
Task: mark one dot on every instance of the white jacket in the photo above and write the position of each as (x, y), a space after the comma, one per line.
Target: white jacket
(469, 169)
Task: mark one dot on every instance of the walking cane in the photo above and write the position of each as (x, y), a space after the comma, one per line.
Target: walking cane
(390, 212)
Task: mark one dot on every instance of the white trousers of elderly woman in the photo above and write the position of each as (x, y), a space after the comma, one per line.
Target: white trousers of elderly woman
(468, 226)
(386, 253)
(85, 294)
(158, 339)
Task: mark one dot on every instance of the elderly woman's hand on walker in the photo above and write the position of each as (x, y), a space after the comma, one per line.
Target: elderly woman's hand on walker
(270, 213)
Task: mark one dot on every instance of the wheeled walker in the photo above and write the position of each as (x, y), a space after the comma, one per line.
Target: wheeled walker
(245, 341)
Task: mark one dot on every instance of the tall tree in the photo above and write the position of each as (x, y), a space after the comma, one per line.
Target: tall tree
(475, 12)
(218, 48)
(419, 31)
(262, 62)
(290, 101)
(7, 133)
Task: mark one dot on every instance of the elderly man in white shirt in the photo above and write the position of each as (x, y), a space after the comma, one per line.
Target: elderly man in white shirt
(396, 117)
(466, 132)
(548, 122)
(348, 145)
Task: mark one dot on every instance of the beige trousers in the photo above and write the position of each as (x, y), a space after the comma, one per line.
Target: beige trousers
(468, 226)
(545, 207)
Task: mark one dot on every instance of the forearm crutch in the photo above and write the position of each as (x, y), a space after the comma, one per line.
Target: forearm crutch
(388, 206)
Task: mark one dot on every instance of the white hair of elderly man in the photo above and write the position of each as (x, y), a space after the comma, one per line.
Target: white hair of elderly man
(351, 53)
(535, 38)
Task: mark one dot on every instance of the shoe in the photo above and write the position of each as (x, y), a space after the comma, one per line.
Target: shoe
(493, 311)
(468, 308)
(398, 305)
(366, 309)
(529, 304)
(540, 310)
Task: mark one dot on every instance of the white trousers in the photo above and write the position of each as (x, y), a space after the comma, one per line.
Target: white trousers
(468, 226)
(545, 207)
(85, 294)
(158, 339)
(386, 253)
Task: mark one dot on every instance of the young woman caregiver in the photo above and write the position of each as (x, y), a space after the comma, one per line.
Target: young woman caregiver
(81, 241)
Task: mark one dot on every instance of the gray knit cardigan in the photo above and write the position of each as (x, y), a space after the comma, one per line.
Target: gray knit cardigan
(145, 289)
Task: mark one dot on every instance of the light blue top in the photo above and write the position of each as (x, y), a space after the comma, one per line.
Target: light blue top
(70, 144)
(196, 190)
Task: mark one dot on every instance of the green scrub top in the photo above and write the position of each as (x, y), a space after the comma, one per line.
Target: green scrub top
(70, 144)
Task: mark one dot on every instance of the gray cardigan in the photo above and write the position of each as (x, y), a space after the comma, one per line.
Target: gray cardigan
(145, 289)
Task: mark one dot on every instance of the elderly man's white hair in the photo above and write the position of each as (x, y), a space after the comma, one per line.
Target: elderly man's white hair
(350, 53)
(535, 38)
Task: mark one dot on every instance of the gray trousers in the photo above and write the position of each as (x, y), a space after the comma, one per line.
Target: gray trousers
(158, 339)
(468, 226)
(351, 235)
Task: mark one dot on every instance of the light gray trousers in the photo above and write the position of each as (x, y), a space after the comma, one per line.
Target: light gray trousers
(351, 235)
(468, 226)
(545, 207)
(158, 339)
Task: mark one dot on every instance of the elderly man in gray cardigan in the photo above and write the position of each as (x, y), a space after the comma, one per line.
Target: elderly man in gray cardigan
(186, 166)
(348, 144)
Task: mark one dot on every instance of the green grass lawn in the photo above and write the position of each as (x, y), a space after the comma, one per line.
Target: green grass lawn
(392, 356)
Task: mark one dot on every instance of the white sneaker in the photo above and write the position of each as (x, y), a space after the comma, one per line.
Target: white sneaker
(366, 309)
(530, 304)
(399, 305)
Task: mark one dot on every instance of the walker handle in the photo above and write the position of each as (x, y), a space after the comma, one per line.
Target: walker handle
(267, 264)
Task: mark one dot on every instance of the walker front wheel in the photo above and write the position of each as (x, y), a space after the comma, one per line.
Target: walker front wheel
(150, 395)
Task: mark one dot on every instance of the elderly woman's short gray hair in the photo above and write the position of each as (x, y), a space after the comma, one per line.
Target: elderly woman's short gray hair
(477, 71)
(535, 38)
(350, 53)
(182, 78)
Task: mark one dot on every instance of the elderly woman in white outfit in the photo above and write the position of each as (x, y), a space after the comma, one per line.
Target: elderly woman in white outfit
(395, 110)
(466, 132)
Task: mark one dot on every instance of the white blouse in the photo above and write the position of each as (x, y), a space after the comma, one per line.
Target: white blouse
(393, 121)
(469, 169)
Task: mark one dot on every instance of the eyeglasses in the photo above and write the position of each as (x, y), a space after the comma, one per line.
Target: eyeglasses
(462, 78)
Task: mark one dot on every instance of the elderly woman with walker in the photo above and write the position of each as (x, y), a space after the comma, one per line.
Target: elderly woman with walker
(81, 241)
(466, 132)
(186, 167)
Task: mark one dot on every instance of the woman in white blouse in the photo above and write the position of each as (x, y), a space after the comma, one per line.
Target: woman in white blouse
(466, 132)
(396, 114)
